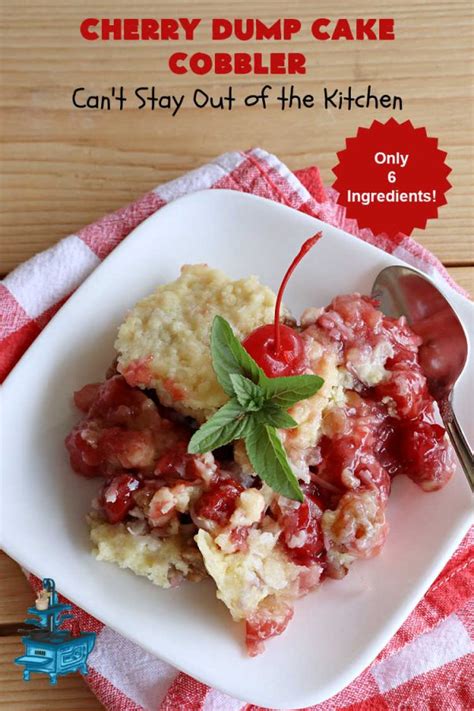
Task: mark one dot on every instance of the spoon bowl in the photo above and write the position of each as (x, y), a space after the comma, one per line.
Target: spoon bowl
(402, 291)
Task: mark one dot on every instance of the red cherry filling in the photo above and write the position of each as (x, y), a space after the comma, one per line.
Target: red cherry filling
(278, 349)
(116, 498)
(218, 502)
(406, 386)
(422, 452)
(85, 397)
(122, 429)
(291, 359)
(301, 531)
(176, 464)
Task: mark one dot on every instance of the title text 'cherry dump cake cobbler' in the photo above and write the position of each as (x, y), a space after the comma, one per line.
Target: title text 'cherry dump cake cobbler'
(172, 515)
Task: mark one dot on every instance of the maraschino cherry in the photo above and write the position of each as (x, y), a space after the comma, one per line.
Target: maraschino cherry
(278, 349)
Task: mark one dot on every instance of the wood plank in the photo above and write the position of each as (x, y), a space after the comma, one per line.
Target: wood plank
(63, 168)
(15, 592)
(70, 694)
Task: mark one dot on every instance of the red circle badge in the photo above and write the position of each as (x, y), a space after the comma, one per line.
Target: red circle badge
(391, 177)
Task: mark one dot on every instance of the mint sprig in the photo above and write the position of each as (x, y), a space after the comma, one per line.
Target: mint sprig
(257, 408)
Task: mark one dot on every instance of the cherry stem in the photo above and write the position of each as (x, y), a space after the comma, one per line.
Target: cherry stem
(305, 247)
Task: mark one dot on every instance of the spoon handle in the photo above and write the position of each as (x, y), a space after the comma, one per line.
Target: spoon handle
(459, 442)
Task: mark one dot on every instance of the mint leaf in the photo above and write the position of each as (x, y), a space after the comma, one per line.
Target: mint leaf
(268, 458)
(229, 356)
(274, 415)
(256, 410)
(286, 392)
(248, 394)
(227, 424)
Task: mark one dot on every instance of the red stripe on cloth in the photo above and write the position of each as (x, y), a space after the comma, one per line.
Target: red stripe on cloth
(247, 178)
(466, 615)
(376, 703)
(311, 179)
(282, 188)
(254, 177)
(185, 693)
(105, 234)
(13, 347)
(109, 696)
(447, 688)
(454, 587)
(12, 315)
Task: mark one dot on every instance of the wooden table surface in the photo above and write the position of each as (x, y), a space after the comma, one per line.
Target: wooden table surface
(63, 168)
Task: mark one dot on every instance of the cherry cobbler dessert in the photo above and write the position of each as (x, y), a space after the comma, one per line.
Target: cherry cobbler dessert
(258, 453)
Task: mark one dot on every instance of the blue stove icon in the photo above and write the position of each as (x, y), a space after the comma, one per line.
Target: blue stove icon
(48, 649)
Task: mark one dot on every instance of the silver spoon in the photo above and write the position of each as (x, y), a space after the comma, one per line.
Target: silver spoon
(402, 291)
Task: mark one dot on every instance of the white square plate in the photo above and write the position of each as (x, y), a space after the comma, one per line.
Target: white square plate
(336, 631)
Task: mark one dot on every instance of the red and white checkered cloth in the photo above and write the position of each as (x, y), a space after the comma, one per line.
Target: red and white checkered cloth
(427, 666)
